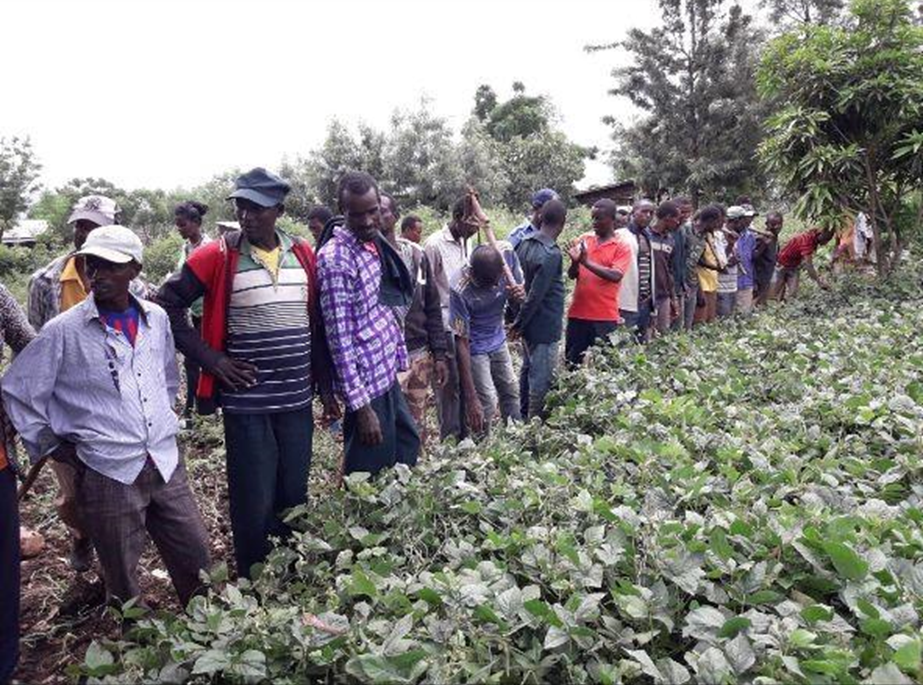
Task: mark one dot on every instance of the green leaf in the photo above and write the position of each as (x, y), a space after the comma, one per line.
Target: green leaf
(765, 597)
(362, 585)
(876, 627)
(471, 507)
(908, 656)
(816, 612)
(719, 544)
(846, 561)
(99, 661)
(733, 626)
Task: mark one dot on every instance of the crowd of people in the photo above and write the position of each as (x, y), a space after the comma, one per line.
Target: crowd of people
(371, 320)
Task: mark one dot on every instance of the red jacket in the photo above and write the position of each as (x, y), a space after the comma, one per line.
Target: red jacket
(209, 273)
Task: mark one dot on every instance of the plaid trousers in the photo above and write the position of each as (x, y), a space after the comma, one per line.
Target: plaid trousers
(118, 515)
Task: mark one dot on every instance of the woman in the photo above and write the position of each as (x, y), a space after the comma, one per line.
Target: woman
(17, 333)
(187, 217)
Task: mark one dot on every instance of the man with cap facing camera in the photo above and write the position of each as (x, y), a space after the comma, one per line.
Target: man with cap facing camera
(96, 390)
(54, 289)
(261, 358)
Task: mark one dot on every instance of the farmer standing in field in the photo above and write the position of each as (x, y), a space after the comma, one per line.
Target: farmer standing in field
(54, 289)
(678, 261)
(479, 299)
(424, 333)
(765, 253)
(598, 263)
(726, 245)
(710, 262)
(636, 297)
(798, 252)
(746, 246)
(539, 321)
(16, 332)
(261, 355)
(363, 280)
(96, 390)
(447, 252)
(523, 231)
(187, 217)
(412, 229)
(660, 234)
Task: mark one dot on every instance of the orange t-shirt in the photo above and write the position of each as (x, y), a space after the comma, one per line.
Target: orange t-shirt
(595, 298)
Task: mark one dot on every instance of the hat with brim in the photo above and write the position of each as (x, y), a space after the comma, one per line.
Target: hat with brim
(115, 244)
(97, 218)
(99, 209)
(260, 187)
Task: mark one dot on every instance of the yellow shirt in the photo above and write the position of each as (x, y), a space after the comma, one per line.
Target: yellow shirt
(268, 258)
(708, 278)
(72, 290)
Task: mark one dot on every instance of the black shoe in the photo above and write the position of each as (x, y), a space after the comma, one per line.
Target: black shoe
(81, 557)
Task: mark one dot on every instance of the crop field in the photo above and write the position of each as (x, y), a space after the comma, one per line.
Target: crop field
(738, 505)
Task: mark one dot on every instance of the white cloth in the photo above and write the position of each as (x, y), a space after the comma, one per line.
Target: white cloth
(628, 292)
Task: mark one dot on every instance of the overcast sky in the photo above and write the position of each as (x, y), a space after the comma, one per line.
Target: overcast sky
(168, 93)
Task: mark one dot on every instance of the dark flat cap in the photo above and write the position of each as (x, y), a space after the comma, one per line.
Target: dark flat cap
(262, 187)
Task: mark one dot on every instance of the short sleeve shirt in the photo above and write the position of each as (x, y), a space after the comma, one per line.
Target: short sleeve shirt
(798, 249)
(595, 298)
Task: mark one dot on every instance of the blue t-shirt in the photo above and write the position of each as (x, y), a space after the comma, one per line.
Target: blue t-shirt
(477, 313)
(125, 322)
(745, 246)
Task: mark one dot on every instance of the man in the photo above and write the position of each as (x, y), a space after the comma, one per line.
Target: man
(96, 389)
(540, 317)
(638, 299)
(539, 198)
(765, 253)
(479, 299)
(412, 229)
(661, 236)
(447, 252)
(261, 358)
(55, 289)
(710, 262)
(599, 261)
(678, 261)
(726, 244)
(356, 269)
(317, 219)
(424, 334)
(797, 252)
(622, 216)
(746, 245)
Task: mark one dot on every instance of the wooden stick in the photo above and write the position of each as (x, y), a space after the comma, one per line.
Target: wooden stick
(476, 213)
(31, 477)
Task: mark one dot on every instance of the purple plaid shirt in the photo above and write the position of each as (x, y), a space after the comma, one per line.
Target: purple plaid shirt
(364, 336)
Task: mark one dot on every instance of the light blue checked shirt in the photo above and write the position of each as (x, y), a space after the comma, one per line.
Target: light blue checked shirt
(82, 382)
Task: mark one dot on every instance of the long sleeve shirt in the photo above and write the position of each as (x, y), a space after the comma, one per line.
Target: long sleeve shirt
(16, 332)
(541, 314)
(364, 336)
(447, 256)
(423, 325)
(83, 382)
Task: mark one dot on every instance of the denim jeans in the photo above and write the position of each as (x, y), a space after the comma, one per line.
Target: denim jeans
(726, 302)
(542, 360)
(268, 460)
(495, 382)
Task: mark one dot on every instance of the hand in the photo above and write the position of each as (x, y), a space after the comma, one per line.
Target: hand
(235, 374)
(368, 426)
(332, 410)
(441, 369)
(577, 252)
(674, 309)
(823, 284)
(513, 334)
(474, 414)
(517, 292)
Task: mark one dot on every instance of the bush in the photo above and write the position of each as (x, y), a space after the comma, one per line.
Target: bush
(739, 505)
(162, 256)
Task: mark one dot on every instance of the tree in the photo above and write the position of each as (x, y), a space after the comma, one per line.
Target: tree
(788, 12)
(693, 77)
(846, 134)
(19, 169)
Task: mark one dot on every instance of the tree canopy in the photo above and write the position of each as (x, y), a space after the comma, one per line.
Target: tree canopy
(19, 172)
(846, 133)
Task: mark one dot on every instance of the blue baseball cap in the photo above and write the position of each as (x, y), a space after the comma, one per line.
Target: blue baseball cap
(540, 197)
(262, 187)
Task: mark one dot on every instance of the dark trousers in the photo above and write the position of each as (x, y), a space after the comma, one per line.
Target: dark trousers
(268, 460)
(449, 398)
(581, 335)
(400, 441)
(192, 373)
(117, 516)
(524, 380)
(9, 575)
